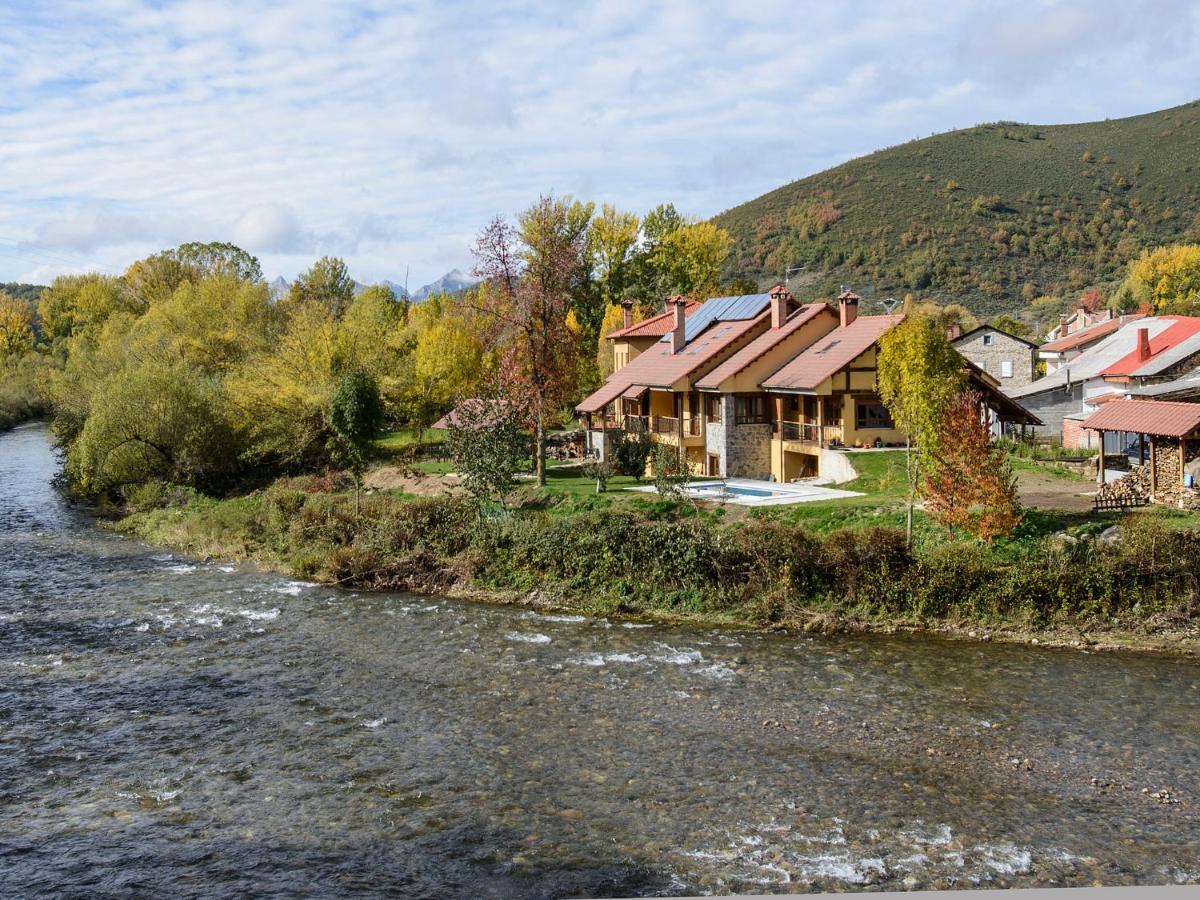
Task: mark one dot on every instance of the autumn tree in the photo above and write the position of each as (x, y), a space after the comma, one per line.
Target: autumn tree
(920, 374)
(16, 326)
(488, 445)
(1168, 279)
(969, 484)
(1012, 326)
(533, 271)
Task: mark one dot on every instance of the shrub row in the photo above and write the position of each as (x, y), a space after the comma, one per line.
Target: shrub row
(755, 571)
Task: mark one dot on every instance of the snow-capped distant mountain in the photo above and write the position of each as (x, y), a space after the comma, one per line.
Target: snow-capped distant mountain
(452, 282)
(280, 286)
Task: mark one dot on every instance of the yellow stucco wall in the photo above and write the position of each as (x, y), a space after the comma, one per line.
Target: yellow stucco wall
(751, 376)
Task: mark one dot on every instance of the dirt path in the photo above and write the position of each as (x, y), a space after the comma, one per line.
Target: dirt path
(1044, 489)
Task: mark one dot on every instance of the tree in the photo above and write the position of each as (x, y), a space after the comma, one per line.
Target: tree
(326, 283)
(218, 258)
(488, 446)
(920, 374)
(692, 257)
(1168, 278)
(613, 237)
(970, 485)
(447, 363)
(75, 303)
(154, 421)
(356, 418)
(632, 452)
(670, 474)
(1012, 326)
(532, 272)
(16, 326)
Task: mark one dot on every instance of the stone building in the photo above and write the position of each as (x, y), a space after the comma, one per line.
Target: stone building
(1009, 359)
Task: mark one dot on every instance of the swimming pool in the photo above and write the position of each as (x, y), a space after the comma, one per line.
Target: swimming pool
(747, 492)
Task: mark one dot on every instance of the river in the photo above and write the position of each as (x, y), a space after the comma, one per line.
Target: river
(198, 728)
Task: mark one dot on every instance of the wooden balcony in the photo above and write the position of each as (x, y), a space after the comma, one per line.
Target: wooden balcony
(808, 433)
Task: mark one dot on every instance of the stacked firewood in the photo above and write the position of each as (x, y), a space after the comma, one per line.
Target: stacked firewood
(1133, 489)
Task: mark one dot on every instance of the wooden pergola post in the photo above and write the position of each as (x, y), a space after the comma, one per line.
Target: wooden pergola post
(1100, 461)
(1182, 441)
(1141, 449)
(1153, 468)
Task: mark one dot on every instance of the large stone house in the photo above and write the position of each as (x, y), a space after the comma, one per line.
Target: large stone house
(1009, 359)
(760, 386)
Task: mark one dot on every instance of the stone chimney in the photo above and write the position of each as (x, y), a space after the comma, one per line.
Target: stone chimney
(781, 299)
(677, 332)
(627, 309)
(1143, 344)
(847, 307)
(1063, 329)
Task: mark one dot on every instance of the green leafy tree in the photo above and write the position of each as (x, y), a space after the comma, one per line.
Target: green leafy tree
(670, 474)
(632, 453)
(356, 418)
(488, 447)
(154, 421)
(218, 258)
(16, 326)
(920, 374)
(327, 283)
(1012, 326)
(1168, 279)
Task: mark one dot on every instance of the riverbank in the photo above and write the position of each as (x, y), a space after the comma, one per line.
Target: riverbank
(1082, 587)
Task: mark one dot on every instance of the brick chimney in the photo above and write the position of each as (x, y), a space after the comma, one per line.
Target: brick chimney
(677, 332)
(1063, 329)
(1143, 344)
(847, 307)
(781, 299)
(627, 309)
(954, 332)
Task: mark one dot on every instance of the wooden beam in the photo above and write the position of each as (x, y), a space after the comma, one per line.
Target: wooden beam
(1182, 441)
(1141, 449)
(1100, 461)
(1153, 467)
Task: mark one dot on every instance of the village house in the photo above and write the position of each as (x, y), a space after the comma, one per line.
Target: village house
(1141, 353)
(1011, 360)
(760, 386)
(632, 338)
(1065, 346)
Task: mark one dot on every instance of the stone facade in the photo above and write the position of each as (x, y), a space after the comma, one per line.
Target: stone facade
(1052, 405)
(744, 451)
(991, 349)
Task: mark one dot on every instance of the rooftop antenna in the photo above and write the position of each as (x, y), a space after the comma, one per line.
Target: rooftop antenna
(890, 303)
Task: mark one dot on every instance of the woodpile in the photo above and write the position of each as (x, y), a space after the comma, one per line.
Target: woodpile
(1132, 490)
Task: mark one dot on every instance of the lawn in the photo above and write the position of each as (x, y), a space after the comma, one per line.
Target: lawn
(397, 442)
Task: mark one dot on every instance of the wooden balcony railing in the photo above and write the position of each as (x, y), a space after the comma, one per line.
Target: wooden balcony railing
(664, 425)
(693, 426)
(809, 432)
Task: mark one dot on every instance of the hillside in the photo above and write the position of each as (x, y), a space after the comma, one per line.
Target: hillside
(990, 216)
(28, 292)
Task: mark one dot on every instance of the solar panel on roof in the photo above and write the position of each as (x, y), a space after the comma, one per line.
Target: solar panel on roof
(722, 309)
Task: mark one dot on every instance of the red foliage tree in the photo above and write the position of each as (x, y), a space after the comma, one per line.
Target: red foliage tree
(970, 485)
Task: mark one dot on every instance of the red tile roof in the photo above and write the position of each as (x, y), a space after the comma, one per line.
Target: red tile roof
(659, 367)
(761, 344)
(656, 326)
(1087, 335)
(831, 353)
(1160, 418)
(1184, 328)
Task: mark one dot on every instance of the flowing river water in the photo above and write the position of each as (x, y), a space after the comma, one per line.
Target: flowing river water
(183, 727)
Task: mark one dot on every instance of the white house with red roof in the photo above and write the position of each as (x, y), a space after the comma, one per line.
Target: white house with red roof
(1140, 353)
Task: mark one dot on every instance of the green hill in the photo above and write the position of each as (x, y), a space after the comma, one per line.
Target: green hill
(29, 292)
(990, 216)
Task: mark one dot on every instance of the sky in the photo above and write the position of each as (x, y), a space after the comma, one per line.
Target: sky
(389, 133)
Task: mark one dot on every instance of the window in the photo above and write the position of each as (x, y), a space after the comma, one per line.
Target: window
(712, 408)
(871, 414)
(1006, 368)
(751, 410)
(987, 340)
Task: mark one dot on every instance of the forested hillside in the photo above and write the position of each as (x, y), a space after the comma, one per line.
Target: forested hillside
(990, 216)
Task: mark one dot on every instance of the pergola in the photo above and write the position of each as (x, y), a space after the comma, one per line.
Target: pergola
(1153, 418)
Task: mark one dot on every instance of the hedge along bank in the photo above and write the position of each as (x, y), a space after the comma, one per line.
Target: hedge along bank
(752, 573)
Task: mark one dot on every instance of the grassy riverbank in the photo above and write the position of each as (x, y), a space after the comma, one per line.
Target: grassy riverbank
(841, 568)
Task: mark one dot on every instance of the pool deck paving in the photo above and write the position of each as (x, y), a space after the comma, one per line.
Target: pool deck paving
(749, 492)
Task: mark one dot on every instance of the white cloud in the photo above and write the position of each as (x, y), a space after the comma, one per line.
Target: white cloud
(390, 133)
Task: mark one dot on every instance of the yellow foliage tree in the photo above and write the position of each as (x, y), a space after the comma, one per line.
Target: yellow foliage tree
(1168, 278)
(16, 326)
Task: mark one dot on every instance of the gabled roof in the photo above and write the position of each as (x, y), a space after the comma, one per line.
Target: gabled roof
(831, 353)
(659, 367)
(1161, 418)
(723, 309)
(761, 345)
(986, 327)
(1093, 361)
(655, 326)
(1167, 348)
(1091, 333)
